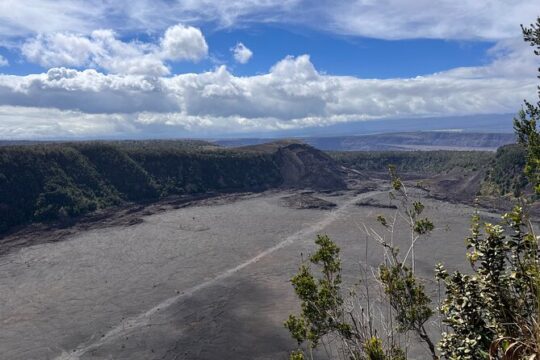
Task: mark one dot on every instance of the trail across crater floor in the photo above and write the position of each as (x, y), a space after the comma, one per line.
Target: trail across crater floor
(209, 281)
(143, 319)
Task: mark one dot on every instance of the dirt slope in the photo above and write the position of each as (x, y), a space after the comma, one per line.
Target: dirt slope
(303, 166)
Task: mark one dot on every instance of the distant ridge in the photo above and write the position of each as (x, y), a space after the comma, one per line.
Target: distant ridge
(405, 141)
(491, 123)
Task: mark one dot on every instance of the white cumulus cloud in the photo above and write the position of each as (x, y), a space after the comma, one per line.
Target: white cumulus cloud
(292, 94)
(59, 49)
(183, 43)
(102, 49)
(241, 53)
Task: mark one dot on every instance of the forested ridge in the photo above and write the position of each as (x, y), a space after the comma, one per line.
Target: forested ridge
(424, 162)
(42, 182)
(45, 182)
(501, 172)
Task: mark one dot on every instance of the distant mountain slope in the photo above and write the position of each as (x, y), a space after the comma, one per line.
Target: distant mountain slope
(427, 140)
(414, 141)
(64, 180)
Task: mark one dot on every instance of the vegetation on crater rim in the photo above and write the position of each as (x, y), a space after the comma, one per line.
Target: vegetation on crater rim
(492, 312)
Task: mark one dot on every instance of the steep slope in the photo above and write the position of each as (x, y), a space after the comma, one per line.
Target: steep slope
(62, 181)
(506, 171)
(303, 166)
(413, 163)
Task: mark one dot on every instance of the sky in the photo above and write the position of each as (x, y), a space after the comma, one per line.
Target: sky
(212, 68)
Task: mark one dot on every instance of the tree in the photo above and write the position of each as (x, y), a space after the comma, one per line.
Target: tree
(526, 123)
(491, 312)
(325, 309)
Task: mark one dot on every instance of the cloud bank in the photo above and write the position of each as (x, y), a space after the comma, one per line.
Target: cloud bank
(99, 82)
(293, 94)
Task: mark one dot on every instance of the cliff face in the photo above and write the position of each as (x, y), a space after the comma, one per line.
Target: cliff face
(303, 166)
(48, 182)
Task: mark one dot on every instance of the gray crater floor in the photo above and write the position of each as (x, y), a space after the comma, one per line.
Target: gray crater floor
(201, 282)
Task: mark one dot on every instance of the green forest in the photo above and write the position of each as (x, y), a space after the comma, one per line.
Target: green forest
(503, 170)
(57, 181)
(424, 162)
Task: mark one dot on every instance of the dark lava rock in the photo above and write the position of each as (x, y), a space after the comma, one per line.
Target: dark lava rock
(306, 201)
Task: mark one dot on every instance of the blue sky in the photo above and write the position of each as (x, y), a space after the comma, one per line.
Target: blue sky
(330, 53)
(345, 54)
(212, 68)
